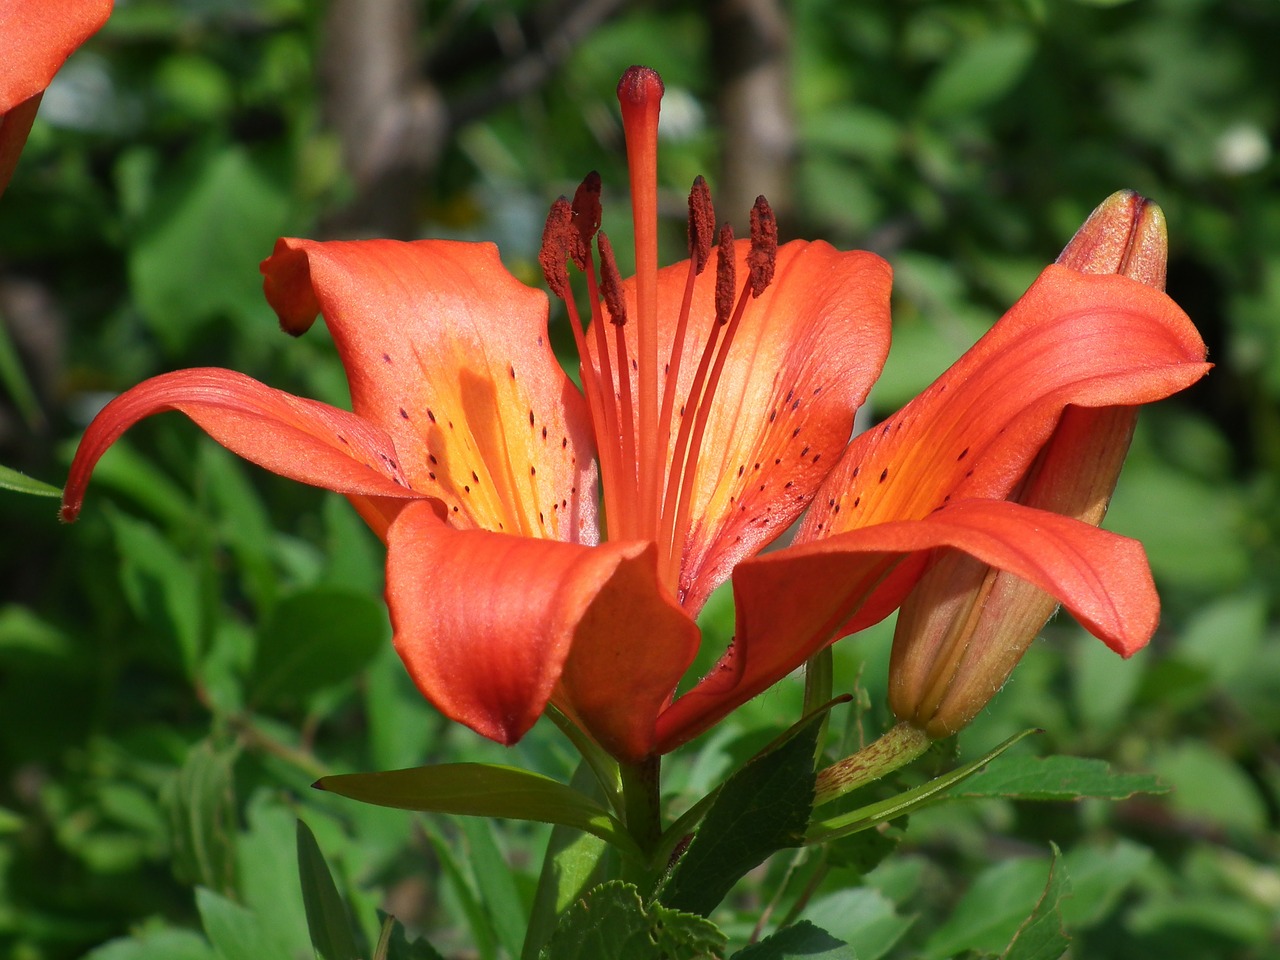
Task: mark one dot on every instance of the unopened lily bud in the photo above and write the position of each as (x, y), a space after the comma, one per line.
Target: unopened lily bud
(965, 626)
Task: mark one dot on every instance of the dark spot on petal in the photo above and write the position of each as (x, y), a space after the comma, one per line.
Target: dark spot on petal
(817, 457)
(431, 416)
(884, 474)
(531, 418)
(533, 471)
(511, 369)
(805, 451)
(773, 415)
(386, 358)
(404, 413)
(887, 427)
(742, 469)
(856, 471)
(856, 501)
(963, 453)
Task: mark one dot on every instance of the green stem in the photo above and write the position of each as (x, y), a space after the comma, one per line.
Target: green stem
(643, 803)
(895, 749)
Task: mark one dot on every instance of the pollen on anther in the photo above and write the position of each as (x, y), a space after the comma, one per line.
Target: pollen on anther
(611, 281)
(726, 281)
(586, 218)
(764, 246)
(557, 245)
(702, 224)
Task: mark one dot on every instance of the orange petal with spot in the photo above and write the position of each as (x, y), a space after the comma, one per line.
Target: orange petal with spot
(801, 363)
(297, 438)
(449, 354)
(793, 602)
(36, 37)
(492, 627)
(1092, 341)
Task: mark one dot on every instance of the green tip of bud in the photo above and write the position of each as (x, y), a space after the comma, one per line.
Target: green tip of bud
(1126, 235)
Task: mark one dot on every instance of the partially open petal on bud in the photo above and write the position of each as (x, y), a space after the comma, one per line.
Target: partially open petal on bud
(965, 626)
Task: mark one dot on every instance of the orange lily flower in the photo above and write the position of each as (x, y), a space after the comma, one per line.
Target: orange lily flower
(36, 37)
(714, 411)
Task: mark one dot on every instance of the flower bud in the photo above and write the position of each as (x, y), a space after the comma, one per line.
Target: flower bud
(965, 626)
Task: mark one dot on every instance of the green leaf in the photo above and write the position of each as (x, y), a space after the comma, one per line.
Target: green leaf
(611, 921)
(11, 479)
(495, 885)
(1100, 877)
(202, 812)
(981, 71)
(195, 260)
(1012, 906)
(169, 943)
(1041, 936)
(761, 809)
(313, 640)
(804, 941)
(821, 831)
(1056, 778)
(327, 919)
(235, 932)
(482, 790)
(399, 947)
(863, 917)
(160, 584)
(570, 863)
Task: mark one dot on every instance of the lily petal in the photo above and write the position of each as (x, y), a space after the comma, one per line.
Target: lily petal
(801, 363)
(448, 353)
(843, 583)
(491, 627)
(36, 37)
(297, 438)
(1092, 341)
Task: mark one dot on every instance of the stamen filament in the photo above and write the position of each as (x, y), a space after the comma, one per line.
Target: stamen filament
(680, 528)
(630, 515)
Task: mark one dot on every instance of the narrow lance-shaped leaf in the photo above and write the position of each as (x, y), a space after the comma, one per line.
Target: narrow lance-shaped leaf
(483, 790)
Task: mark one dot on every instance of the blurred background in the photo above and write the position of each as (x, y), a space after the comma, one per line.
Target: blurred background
(177, 667)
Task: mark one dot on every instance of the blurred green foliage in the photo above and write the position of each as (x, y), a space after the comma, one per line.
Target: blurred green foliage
(178, 667)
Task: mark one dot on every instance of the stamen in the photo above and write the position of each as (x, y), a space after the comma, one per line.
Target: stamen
(611, 282)
(557, 240)
(626, 519)
(702, 224)
(726, 281)
(586, 217)
(763, 257)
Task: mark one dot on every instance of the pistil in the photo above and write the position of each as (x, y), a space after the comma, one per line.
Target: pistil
(639, 95)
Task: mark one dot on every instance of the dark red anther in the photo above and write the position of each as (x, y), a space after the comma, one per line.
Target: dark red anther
(726, 281)
(764, 246)
(611, 281)
(558, 239)
(586, 217)
(702, 224)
